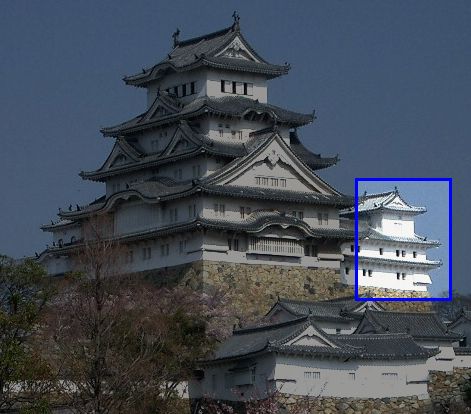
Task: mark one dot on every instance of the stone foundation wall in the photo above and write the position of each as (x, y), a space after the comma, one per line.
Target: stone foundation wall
(294, 404)
(253, 289)
(327, 405)
(449, 387)
(399, 305)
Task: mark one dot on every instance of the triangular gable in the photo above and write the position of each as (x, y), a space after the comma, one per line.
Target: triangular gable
(121, 154)
(396, 201)
(237, 49)
(311, 336)
(272, 159)
(182, 140)
(159, 108)
(364, 306)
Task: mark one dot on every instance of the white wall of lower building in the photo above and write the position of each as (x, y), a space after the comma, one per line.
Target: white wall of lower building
(308, 376)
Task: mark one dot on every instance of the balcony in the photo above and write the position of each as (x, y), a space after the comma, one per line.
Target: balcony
(277, 247)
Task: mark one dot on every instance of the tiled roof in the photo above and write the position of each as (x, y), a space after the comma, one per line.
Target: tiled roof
(164, 189)
(315, 161)
(276, 194)
(205, 144)
(462, 350)
(383, 201)
(246, 343)
(340, 309)
(377, 235)
(329, 311)
(464, 315)
(387, 346)
(202, 51)
(420, 325)
(235, 106)
(429, 264)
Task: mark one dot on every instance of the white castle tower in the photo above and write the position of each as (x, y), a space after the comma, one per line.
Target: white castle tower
(391, 255)
(210, 170)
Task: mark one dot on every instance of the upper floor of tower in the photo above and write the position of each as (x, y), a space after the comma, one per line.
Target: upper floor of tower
(216, 65)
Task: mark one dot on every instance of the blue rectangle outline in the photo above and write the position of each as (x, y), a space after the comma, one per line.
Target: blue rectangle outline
(450, 239)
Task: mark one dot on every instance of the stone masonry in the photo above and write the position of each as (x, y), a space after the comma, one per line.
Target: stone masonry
(253, 289)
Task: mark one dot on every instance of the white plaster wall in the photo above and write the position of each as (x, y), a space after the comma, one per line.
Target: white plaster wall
(383, 277)
(335, 380)
(213, 84)
(398, 225)
(156, 259)
(232, 209)
(176, 79)
(445, 360)
(216, 382)
(66, 234)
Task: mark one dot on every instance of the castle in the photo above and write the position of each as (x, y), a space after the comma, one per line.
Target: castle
(211, 184)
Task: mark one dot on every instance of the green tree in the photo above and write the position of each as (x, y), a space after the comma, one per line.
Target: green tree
(24, 293)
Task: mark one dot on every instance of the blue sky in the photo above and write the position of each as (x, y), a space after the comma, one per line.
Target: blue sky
(434, 224)
(390, 82)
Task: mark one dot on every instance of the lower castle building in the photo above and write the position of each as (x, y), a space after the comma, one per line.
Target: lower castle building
(338, 355)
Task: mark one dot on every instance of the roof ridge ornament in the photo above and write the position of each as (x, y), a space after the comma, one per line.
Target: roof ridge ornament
(236, 17)
(175, 37)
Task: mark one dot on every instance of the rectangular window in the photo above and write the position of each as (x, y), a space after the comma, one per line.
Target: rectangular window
(319, 219)
(397, 253)
(234, 87)
(223, 87)
(184, 89)
(381, 251)
(282, 182)
(236, 245)
(245, 88)
(312, 375)
(307, 250)
(129, 256)
(233, 134)
(398, 276)
(352, 248)
(221, 133)
(347, 270)
(403, 276)
(192, 210)
(264, 181)
(364, 272)
(239, 88)
(220, 210)
(326, 218)
(239, 133)
(229, 244)
(274, 182)
(257, 180)
(249, 89)
(414, 254)
(146, 253)
(403, 253)
(351, 376)
(338, 331)
(370, 273)
(358, 248)
(175, 90)
(192, 88)
(242, 212)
